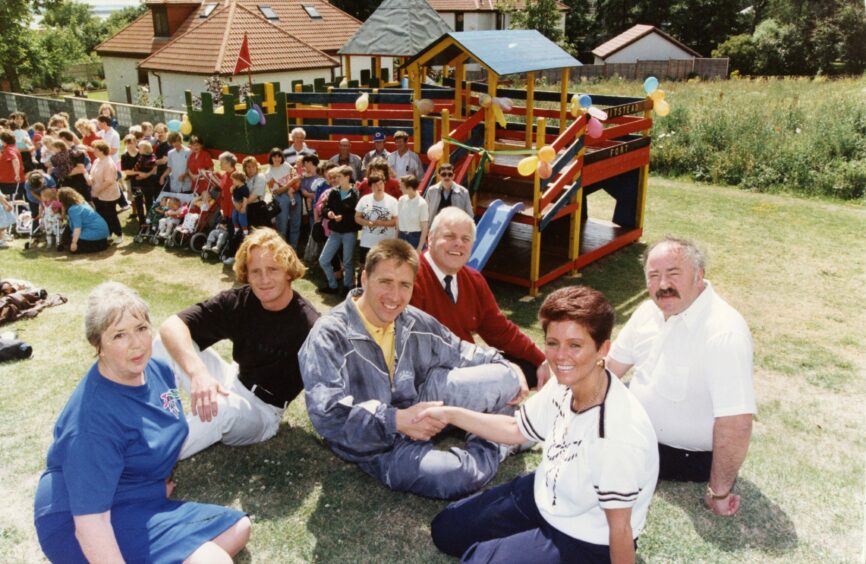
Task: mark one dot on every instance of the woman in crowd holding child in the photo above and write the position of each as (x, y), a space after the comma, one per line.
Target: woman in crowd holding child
(104, 188)
(104, 496)
(588, 500)
(89, 230)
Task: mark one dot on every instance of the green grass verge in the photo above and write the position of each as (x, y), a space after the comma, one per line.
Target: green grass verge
(794, 268)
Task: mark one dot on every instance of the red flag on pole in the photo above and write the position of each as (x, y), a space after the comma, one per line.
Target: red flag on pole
(244, 60)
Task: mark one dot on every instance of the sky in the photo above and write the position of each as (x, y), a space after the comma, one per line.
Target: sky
(103, 8)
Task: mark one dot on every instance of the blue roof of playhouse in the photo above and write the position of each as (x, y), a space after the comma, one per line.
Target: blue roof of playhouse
(504, 51)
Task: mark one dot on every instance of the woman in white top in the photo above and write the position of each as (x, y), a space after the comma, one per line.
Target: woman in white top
(588, 500)
(278, 180)
(103, 187)
(256, 212)
(412, 214)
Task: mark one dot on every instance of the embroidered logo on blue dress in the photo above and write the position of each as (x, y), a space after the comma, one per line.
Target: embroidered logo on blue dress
(171, 402)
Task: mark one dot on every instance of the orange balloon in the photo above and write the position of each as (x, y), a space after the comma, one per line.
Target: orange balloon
(435, 151)
(544, 170)
(547, 154)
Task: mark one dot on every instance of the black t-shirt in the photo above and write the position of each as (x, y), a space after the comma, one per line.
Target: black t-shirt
(160, 150)
(265, 343)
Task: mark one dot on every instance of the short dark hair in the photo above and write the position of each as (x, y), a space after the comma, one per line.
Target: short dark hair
(310, 159)
(409, 181)
(391, 249)
(582, 305)
(374, 178)
(275, 152)
(103, 119)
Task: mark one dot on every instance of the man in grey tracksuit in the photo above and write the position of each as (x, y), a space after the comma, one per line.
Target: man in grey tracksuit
(374, 362)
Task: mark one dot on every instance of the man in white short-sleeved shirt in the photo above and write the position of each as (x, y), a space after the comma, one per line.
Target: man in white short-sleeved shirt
(692, 354)
(404, 161)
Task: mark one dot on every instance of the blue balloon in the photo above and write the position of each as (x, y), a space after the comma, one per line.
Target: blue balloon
(650, 85)
(252, 117)
(585, 100)
(174, 125)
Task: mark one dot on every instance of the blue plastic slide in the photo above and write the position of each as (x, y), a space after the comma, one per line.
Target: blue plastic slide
(489, 231)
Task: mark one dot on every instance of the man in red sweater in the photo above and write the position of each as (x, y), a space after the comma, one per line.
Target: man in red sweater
(459, 298)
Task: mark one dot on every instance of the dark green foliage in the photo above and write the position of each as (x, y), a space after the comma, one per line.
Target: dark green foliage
(360, 9)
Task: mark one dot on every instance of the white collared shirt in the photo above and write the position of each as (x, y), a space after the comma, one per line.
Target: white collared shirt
(441, 275)
(690, 368)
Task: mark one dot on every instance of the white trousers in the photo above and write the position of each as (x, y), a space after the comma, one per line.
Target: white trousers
(242, 418)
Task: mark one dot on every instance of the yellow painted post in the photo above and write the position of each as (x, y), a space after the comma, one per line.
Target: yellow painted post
(490, 118)
(643, 182)
(530, 103)
(377, 67)
(299, 88)
(535, 260)
(269, 103)
(563, 101)
(330, 119)
(348, 68)
(375, 107)
(415, 79)
(445, 130)
(576, 216)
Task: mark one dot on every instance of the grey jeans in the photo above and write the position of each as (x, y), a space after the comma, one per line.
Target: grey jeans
(420, 468)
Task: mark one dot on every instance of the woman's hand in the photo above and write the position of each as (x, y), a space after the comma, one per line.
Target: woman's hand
(73, 246)
(96, 537)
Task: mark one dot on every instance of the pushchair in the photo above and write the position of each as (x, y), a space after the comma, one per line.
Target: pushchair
(149, 231)
(194, 232)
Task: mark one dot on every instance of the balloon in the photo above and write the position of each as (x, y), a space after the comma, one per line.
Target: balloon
(658, 95)
(575, 99)
(424, 105)
(485, 100)
(362, 103)
(662, 108)
(598, 114)
(185, 127)
(252, 117)
(527, 166)
(585, 101)
(174, 125)
(575, 109)
(650, 85)
(544, 170)
(500, 117)
(505, 103)
(258, 108)
(344, 83)
(435, 152)
(594, 128)
(547, 154)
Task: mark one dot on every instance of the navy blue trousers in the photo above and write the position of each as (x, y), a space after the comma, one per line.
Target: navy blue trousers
(503, 524)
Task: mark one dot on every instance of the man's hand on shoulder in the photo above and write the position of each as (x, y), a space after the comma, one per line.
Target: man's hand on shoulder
(423, 429)
(542, 373)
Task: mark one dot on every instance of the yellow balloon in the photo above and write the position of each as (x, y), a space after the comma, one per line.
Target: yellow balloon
(575, 109)
(500, 117)
(425, 106)
(485, 100)
(662, 108)
(527, 166)
(344, 83)
(362, 103)
(575, 100)
(547, 154)
(185, 127)
(658, 95)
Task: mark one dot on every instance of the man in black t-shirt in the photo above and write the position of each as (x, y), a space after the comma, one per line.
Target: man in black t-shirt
(242, 403)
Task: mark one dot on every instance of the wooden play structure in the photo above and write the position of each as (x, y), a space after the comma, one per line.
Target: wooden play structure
(539, 228)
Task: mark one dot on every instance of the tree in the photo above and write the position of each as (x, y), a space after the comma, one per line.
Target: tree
(741, 52)
(360, 9)
(17, 46)
(541, 15)
(119, 19)
(75, 18)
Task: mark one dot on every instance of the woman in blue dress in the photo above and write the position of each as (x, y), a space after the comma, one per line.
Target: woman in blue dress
(104, 496)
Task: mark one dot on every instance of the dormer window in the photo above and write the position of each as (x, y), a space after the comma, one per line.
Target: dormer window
(268, 12)
(207, 10)
(313, 12)
(160, 21)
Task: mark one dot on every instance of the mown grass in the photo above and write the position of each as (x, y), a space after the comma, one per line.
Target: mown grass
(794, 268)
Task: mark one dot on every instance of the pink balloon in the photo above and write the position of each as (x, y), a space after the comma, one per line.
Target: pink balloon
(435, 151)
(544, 169)
(594, 128)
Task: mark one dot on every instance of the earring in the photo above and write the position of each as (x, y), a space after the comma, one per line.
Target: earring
(600, 363)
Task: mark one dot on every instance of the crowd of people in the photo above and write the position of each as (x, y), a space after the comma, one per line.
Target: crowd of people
(387, 370)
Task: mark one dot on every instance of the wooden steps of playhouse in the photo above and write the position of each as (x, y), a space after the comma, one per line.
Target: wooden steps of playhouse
(510, 261)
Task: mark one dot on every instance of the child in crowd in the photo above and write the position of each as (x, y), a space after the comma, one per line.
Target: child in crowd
(217, 237)
(175, 169)
(7, 219)
(128, 161)
(240, 199)
(376, 213)
(146, 168)
(147, 132)
(161, 147)
(412, 214)
(173, 216)
(51, 217)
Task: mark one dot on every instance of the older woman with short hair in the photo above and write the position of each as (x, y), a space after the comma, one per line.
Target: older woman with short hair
(89, 230)
(588, 500)
(104, 495)
(256, 211)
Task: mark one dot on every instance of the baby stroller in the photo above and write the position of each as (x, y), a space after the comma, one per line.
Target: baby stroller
(215, 243)
(194, 230)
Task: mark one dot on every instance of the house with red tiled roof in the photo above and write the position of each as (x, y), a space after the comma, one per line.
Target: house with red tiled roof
(642, 42)
(177, 44)
(482, 15)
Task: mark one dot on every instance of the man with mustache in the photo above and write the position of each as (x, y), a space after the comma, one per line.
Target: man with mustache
(692, 354)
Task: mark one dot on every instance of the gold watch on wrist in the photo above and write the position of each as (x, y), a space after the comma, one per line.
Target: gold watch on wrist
(713, 495)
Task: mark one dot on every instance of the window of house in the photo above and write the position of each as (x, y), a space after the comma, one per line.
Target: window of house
(268, 12)
(207, 10)
(458, 21)
(160, 21)
(313, 12)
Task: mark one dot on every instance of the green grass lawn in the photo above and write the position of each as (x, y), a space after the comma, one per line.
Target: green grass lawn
(794, 268)
(98, 95)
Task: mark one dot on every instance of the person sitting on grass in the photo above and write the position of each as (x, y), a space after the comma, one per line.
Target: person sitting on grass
(374, 362)
(692, 355)
(89, 232)
(588, 500)
(105, 495)
(242, 403)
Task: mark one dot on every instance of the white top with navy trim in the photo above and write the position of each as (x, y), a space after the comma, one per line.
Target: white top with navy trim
(603, 458)
(690, 369)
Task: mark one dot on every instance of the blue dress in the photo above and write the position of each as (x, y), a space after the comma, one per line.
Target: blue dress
(114, 447)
